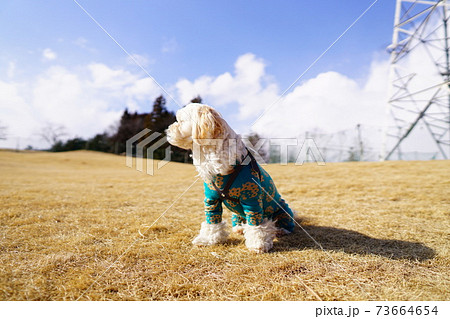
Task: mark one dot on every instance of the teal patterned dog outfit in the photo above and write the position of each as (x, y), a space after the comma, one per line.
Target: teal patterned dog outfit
(253, 205)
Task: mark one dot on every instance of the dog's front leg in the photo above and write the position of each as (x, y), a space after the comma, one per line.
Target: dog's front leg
(260, 238)
(259, 234)
(213, 230)
(211, 234)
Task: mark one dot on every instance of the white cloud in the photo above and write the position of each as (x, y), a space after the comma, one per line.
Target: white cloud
(133, 89)
(84, 44)
(16, 114)
(104, 77)
(327, 103)
(139, 60)
(81, 42)
(330, 101)
(142, 89)
(249, 86)
(48, 54)
(11, 72)
(86, 102)
(89, 100)
(169, 45)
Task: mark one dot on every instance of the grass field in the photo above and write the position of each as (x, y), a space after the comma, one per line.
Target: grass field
(76, 225)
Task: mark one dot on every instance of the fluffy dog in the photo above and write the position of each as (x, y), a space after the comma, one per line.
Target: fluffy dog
(258, 211)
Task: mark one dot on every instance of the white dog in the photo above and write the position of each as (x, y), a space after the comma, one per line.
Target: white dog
(232, 177)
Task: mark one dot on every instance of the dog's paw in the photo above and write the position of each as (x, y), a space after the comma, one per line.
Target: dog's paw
(259, 239)
(238, 229)
(260, 249)
(202, 241)
(259, 246)
(211, 234)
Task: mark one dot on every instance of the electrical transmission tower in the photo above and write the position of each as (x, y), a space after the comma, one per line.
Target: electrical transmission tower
(419, 91)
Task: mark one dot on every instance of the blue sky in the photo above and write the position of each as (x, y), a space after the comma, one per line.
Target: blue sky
(52, 50)
(203, 37)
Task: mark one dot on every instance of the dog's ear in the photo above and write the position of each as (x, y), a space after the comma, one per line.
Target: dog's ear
(208, 125)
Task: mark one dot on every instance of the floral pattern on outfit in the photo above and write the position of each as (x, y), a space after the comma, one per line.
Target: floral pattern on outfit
(255, 204)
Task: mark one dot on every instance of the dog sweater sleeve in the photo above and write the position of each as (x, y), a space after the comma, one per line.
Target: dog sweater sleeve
(213, 206)
(251, 201)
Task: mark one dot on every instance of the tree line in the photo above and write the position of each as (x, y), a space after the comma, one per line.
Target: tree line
(130, 124)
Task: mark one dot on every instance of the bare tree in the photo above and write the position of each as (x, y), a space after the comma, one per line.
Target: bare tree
(263, 151)
(3, 132)
(112, 129)
(52, 133)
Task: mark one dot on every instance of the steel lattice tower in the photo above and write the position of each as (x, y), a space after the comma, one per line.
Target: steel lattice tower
(419, 78)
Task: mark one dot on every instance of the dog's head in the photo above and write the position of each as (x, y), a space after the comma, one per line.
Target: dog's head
(196, 123)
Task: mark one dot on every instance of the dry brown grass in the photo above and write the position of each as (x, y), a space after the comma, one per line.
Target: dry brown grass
(67, 217)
